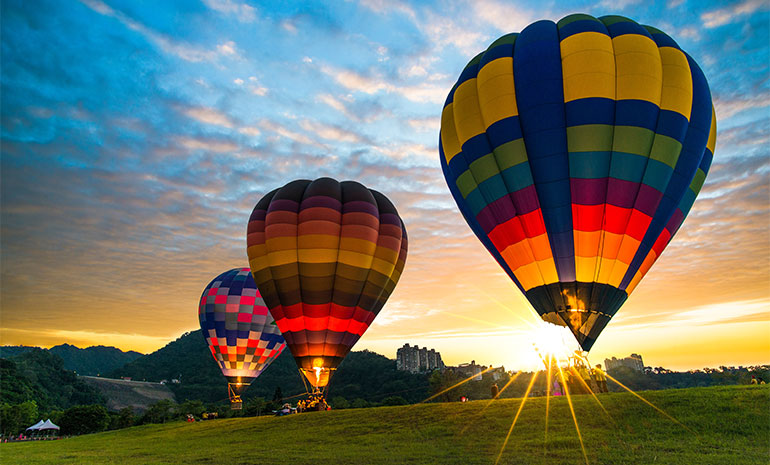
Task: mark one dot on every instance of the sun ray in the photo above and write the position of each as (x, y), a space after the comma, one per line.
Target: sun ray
(507, 308)
(651, 404)
(510, 381)
(547, 399)
(572, 411)
(476, 320)
(518, 412)
(591, 391)
(455, 385)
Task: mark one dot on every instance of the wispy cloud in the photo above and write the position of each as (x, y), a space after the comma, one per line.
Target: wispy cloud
(185, 51)
(732, 13)
(241, 11)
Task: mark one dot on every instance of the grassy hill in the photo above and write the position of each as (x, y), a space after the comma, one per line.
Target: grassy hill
(724, 425)
(135, 394)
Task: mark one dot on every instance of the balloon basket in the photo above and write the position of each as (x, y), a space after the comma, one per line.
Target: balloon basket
(235, 399)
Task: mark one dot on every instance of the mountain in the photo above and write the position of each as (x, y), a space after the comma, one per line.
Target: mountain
(39, 375)
(362, 375)
(91, 361)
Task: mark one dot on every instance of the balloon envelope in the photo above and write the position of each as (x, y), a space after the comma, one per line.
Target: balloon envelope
(326, 255)
(574, 150)
(238, 328)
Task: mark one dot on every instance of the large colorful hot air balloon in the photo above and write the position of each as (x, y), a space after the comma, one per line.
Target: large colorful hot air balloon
(239, 330)
(574, 150)
(326, 255)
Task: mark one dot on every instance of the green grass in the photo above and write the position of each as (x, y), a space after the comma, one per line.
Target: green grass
(727, 425)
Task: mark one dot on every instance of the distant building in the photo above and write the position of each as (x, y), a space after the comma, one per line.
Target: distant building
(468, 370)
(633, 361)
(415, 360)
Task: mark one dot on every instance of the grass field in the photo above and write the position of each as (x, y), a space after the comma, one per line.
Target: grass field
(719, 425)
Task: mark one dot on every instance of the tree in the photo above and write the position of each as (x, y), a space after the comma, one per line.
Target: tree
(84, 419)
(123, 419)
(254, 407)
(360, 403)
(339, 403)
(159, 412)
(278, 395)
(15, 419)
(191, 407)
(394, 400)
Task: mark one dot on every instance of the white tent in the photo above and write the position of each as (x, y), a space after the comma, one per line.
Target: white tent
(48, 425)
(36, 426)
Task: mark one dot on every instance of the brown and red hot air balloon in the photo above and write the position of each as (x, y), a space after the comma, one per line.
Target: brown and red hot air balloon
(325, 255)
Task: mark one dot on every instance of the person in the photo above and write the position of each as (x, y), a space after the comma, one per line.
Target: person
(557, 391)
(600, 377)
(754, 380)
(585, 376)
(495, 391)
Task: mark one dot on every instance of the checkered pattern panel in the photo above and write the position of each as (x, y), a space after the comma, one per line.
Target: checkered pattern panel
(240, 332)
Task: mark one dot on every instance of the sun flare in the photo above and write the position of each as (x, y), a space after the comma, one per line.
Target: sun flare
(553, 342)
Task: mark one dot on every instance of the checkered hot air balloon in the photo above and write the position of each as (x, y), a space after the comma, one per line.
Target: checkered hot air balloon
(326, 255)
(574, 150)
(238, 328)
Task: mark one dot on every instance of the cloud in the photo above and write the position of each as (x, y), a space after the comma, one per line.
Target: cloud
(227, 48)
(208, 115)
(243, 12)
(388, 6)
(732, 13)
(505, 17)
(332, 133)
(356, 82)
(729, 107)
(432, 123)
(182, 50)
(211, 145)
(283, 131)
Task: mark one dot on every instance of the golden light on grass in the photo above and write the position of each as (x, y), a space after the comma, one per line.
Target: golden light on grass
(650, 404)
(572, 411)
(518, 412)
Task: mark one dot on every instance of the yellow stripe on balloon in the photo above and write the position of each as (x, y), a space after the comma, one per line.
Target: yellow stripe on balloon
(467, 114)
(639, 68)
(588, 66)
(496, 91)
(677, 82)
(449, 141)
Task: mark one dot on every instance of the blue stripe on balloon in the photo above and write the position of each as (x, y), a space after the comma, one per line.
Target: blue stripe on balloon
(639, 113)
(627, 166)
(589, 165)
(503, 131)
(686, 167)
(540, 100)
(518, 177)
(592, 110)
(583, 25)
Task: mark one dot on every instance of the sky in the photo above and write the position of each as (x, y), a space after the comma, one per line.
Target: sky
(137, 136)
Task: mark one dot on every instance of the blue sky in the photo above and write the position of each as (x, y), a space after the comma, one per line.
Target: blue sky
(137, 137)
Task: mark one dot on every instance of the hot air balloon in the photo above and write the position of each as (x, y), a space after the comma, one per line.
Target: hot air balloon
(326, 255)
(574, 150)
(239, 330)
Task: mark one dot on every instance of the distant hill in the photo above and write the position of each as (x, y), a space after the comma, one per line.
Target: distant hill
(91, 361)
(365, 375)
(135, 394)
(40, 375)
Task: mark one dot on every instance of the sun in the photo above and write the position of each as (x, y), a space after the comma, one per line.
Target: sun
(552, 341)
